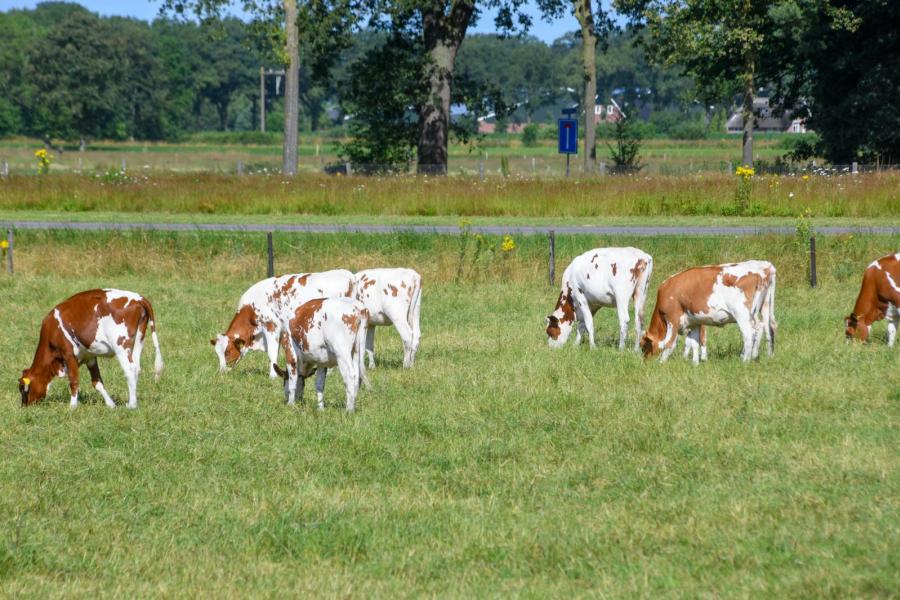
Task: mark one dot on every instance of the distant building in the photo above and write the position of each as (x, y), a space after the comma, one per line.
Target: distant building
(608, 113)
(766, 120)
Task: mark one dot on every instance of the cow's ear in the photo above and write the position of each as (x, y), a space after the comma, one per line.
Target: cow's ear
(281, 372)
(212, 342)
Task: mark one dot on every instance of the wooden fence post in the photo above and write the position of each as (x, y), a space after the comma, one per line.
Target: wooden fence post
(348, 168)
(4, 169)
(9, 251)
(812, 261)
(552, 264)
(854, 168)
(240, 168)
(271, 253)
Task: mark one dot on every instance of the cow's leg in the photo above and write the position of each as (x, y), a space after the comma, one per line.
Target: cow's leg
(321, 373)
(669, 342)
(290, 385)
(72, 372)
(97, 381)
(125, 361)
(702, 337)
(584, 316)
(692, 341)
(270, 341)
(370, 345)
(892, 329)
(687, 344)
(747, 325)
(136, 350)
(622, 312)
(406, 336)
(350, 375)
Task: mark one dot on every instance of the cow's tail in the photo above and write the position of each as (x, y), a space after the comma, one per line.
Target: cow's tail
(641, 287)
(360, 347)
(413, 315)
(768, 313)
(151, 324)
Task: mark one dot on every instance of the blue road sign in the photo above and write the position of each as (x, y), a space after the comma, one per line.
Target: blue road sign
(568, 136)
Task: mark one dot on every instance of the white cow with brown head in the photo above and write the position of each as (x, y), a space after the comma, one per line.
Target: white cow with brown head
(879, 298)
(257, 324)
(601, 277)
(84, 327)
(742, 293)
(392, 297)
(324, 333)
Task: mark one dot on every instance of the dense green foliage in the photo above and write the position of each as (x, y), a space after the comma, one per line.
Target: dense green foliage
(495, 467)
(843, 68)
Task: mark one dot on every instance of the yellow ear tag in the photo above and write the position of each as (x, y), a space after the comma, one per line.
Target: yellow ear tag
(26, 381)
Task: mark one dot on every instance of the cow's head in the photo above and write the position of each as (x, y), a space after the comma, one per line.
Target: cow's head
(649, 345)
(229, 350)
(855, 328)
(32, 389)
(558, 331)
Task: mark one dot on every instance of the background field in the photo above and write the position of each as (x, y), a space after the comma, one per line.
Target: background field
(494, 467)
(211, 153)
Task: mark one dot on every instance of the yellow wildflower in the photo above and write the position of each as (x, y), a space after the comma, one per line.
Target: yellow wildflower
(745, 172)
(805, 178)
(4, 244)
(508, 244)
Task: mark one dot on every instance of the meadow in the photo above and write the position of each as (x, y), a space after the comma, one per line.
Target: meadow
(494, 467)
(220, 152)
(211, 197)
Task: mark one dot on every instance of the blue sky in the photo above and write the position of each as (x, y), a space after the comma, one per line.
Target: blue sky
(148, 9)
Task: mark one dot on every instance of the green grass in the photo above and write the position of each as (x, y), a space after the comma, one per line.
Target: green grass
(710, 195)
(402, 220)
(495, 467)
(217, 152)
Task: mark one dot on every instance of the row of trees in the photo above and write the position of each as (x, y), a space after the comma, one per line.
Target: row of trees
(727, 46)
(398, 66)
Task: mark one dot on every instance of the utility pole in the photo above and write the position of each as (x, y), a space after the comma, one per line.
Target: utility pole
(291, 89)
(262, 99)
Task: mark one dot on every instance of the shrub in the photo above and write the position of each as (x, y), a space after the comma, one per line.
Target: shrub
(530, 135)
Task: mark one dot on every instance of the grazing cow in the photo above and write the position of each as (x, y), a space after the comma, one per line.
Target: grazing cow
(742, 293)
(323, 333)
(879, 298)
(80, 329)
(266, 304)
(392, 297)
(597, 278)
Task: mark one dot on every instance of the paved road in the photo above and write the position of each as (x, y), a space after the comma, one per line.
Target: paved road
(448, 229)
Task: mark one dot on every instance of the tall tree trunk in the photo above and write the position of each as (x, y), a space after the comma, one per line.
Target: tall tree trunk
(443, 35)
(585, 17)
(747, 113)
(291, 89)
(222, 109)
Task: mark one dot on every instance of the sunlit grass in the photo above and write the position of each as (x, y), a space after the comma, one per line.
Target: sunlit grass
(870, 195)
(494, 467)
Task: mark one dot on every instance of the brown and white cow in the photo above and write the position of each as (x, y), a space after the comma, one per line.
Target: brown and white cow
(601, 277)
(323, 333)
(392, 297)
(742, 293)
(86, 326)
(879, 298)
(257, 324)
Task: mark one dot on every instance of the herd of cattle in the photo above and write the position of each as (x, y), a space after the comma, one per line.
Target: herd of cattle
(325, 320)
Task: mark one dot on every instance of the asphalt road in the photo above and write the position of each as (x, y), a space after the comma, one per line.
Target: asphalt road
(649, 231)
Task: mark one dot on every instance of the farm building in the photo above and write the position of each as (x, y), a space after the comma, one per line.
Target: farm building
(768, 119)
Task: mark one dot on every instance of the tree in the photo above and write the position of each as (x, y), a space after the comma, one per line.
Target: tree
(75, 98)
(720, 43)
(280, 24)
(841, 68)
(595, 24)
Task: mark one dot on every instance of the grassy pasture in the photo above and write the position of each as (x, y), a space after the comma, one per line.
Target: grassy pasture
(708, 195)
(495, 467)
(661, 156)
